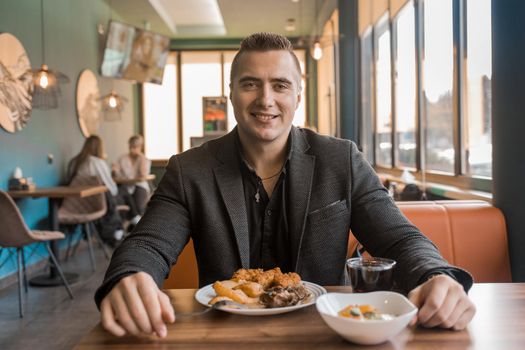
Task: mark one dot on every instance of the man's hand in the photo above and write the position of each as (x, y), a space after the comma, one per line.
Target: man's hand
(442, 302)
(136, 305)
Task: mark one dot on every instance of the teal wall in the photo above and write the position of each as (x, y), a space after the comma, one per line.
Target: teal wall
(72, 44)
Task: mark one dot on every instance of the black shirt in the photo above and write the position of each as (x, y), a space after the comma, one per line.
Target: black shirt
(267, 220)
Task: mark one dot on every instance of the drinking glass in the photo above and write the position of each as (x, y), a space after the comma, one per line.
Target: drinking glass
(370, 274)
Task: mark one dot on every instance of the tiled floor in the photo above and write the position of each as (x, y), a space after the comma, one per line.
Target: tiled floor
(51, 319)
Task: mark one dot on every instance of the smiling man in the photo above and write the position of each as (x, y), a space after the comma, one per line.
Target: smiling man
(272, 195)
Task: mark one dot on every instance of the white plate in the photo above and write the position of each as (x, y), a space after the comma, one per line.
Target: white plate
(205, 294)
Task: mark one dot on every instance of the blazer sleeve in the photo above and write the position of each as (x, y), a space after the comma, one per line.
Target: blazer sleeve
(158, 239)
(384, 231)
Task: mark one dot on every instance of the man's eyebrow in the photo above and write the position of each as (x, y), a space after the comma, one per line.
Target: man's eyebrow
(248, 78)
(273, 80)
(282, 80)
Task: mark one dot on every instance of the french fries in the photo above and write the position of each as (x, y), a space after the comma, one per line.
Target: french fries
(247, 285)
(234, 294)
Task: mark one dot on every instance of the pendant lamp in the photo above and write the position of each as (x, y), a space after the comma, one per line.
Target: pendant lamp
(317, 51)
(46, 81)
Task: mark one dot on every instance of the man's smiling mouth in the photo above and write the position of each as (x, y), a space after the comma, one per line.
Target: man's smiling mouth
(264, 117)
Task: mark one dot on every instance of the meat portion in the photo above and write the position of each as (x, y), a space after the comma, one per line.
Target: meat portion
(284, 296)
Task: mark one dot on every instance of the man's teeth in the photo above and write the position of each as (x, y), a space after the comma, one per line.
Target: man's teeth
(264, 116)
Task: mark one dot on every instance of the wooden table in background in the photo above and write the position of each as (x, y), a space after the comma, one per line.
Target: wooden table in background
(126, 181)
(55, 195)
(498, 324)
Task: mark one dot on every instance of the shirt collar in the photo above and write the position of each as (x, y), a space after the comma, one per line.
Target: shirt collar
(289, 147)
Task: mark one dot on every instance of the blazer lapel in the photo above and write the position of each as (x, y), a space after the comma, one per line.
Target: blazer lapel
(300, 186)
(229, 181)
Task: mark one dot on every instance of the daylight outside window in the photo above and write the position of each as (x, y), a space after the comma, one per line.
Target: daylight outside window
(437, 84)
(405, 88)
(478, 107)
(383, 96)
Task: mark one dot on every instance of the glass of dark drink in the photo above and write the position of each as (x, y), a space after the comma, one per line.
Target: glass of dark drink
(370, 274)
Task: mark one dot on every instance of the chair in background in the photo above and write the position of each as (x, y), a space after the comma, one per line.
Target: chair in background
(84, 211)
(15, 234)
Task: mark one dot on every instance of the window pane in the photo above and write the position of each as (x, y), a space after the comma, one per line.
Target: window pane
(478, 126)
(201, 76)
(160, 114)
(437, 85)
(367, 128)
(406, 88)
(228, 59)
(300, 113)
(383, 98)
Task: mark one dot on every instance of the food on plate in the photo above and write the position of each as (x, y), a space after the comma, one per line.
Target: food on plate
(259, 288)
(234, 294)
(284, 296)
(251, 289)
(364, 313)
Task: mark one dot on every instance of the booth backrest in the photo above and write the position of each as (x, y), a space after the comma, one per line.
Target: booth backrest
(470, 234)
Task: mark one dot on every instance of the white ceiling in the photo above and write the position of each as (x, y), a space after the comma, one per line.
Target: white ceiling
(218, 18)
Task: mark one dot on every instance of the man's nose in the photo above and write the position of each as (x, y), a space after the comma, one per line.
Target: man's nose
(266, 96)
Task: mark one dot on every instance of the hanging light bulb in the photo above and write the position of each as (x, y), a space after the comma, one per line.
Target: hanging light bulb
(317, 52)
(43, 78)
(112, 101)
(113, 105)
(46, 81)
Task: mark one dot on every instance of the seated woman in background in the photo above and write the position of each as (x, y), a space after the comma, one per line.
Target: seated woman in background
(90, 162)
(135, 165)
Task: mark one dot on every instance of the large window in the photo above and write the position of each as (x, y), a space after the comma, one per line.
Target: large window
(383, 94)
(367, 125)
(438, 73)
(437, 121)
(477, 121)
(405, 88)
(160, 104)
(201, 76)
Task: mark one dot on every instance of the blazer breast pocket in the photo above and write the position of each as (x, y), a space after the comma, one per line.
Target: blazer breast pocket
(338, 208)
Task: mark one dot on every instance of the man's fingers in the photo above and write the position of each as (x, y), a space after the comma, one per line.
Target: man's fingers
(137, 310)
(107, 317)
(465, 318)
(122, 315)
(445, 313)
(461, 315)
(415, 296)
(148, 294)
(432, 302)
(168, 314)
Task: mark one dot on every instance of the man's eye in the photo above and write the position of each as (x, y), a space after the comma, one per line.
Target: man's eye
(249, 85)
(281, 86)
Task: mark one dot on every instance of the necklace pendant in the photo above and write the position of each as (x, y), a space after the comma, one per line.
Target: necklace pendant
(257, 196)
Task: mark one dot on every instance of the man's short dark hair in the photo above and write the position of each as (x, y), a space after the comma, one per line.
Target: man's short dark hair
(264, 42)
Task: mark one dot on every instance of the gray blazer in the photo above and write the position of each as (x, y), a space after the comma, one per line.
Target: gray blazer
(332, 189)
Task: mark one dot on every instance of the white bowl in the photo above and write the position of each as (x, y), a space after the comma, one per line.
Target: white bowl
(368, 331)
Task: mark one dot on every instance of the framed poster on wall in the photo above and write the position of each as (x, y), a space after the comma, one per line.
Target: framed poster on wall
(215, 118)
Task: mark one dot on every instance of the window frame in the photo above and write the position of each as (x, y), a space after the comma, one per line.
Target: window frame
(459, 178)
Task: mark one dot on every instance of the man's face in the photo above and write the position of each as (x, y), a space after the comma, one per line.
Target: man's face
(135, 151)
(265, 93)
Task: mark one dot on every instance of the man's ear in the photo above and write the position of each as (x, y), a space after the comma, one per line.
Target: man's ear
(298, 99)
(230, 85)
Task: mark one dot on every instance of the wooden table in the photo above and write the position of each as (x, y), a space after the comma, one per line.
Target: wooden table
(126, 181)
(55, 195)
(498, 324)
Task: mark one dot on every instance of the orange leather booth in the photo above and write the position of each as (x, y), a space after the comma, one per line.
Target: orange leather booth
(470, 234)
